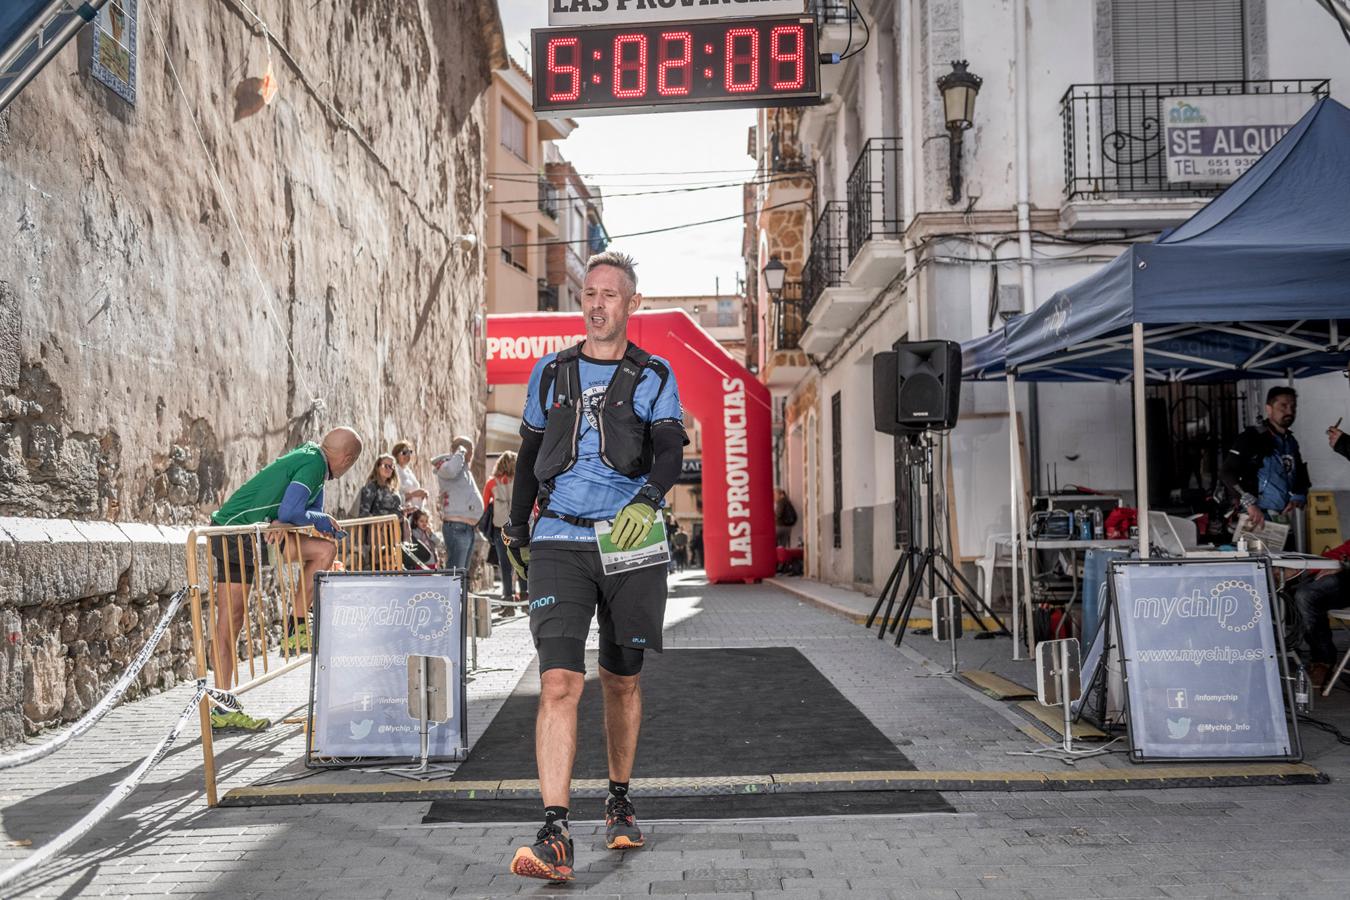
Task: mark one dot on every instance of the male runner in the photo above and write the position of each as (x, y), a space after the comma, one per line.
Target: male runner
(289, 490)
(602, 439)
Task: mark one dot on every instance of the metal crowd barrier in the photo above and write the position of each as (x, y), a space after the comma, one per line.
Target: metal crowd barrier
(276, 593)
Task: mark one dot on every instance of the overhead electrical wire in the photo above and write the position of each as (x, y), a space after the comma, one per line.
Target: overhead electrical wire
(534, 179)
(615, 237)
(750, 170)
(677, 190)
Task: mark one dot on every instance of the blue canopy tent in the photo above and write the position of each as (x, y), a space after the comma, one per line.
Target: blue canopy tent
(1254, 285)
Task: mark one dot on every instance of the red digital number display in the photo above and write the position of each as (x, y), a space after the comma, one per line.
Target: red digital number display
(736, 62)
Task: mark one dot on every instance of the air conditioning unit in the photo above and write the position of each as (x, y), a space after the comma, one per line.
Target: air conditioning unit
(1009, 300)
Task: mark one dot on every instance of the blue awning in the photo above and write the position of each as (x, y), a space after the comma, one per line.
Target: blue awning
(1255, 285)
(985, 357)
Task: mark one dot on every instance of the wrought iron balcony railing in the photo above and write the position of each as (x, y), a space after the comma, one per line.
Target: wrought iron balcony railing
(828, 261)
(789, 317)
(548, 199)
(1114, 141)
(874, 205)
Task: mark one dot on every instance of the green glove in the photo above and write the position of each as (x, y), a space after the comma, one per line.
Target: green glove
(632, 524)
(516, 540)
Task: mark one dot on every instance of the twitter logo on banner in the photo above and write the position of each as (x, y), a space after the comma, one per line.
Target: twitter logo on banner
(362, 728)
(1176, 728)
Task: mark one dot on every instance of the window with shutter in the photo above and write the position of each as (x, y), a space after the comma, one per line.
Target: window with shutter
(1178, 40)
(1156, 44)
(514, 132)
(515, 239)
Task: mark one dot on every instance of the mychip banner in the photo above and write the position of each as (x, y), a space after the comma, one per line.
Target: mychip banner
(367, 626)
(1202, 660)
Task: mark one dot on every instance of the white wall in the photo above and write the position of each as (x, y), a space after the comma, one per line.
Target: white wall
(1303, 41)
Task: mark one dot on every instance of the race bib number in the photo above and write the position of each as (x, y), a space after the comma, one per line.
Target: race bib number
(653, 551)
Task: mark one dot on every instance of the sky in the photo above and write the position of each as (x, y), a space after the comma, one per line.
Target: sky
(616, 152)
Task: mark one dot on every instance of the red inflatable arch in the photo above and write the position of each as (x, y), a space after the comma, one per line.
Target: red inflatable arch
(732, 407)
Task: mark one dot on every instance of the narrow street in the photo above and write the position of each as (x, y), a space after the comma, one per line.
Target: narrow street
(1182, 843)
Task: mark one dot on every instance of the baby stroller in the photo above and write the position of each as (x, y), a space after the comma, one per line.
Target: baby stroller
(417, 556)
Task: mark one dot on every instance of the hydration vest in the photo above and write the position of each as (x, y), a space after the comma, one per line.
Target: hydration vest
(625, 439)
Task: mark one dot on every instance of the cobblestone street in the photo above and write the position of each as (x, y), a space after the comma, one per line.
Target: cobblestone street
(1193, 842)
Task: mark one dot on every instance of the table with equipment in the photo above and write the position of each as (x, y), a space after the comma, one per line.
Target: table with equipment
(1073, 547)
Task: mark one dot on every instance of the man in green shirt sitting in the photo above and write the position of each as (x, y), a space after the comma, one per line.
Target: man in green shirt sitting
(289, 490)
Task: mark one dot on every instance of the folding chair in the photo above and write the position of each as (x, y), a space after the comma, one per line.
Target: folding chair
(1342, 616)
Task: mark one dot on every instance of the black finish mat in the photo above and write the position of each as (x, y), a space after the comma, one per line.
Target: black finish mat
(748, 711)
(732, 806)
(706, 713)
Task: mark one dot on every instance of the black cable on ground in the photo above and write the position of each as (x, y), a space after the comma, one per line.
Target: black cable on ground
(1325, 726)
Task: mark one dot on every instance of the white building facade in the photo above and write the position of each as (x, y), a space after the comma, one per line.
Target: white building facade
(1063, 166)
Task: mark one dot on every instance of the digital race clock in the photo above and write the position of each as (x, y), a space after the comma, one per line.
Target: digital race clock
(676, 65)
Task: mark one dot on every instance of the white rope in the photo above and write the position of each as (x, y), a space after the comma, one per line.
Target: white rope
(123, 790)
(111, 699)
(263, 289)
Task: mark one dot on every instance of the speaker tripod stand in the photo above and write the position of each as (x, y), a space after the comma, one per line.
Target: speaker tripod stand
(932, 563)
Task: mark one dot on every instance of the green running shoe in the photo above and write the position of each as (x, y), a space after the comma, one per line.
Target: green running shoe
(226, 722)
(297, 637)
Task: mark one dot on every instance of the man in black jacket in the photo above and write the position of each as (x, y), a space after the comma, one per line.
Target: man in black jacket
(1265, 468)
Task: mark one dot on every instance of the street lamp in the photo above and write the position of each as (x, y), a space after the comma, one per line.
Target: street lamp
(959, 88)
(774, 275)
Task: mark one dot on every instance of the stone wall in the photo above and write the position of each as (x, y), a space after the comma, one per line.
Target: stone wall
(77, 602)
(153, 354)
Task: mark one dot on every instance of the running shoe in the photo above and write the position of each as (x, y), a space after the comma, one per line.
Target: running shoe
(549, 857)
(621, 831)
(238, 721)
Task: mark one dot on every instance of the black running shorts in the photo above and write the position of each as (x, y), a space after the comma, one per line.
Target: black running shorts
(234, 552)
(568, 588)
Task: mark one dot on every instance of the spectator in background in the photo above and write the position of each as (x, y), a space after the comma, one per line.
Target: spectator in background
(409, 487)
(423, 540)
(379, 495)
(670, 524)
(680, 541)
(784, 517)
(290, 491)
(497, 498)
(1265, 468)
(696, 547)
(461, 503)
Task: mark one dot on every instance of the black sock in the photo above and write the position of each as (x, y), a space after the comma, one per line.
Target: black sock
(555, 814)
(618, 788)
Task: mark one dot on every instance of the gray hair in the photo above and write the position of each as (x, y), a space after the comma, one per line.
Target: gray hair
(621, 261)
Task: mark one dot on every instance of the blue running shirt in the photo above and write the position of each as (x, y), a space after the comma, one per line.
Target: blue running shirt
(591, 489)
